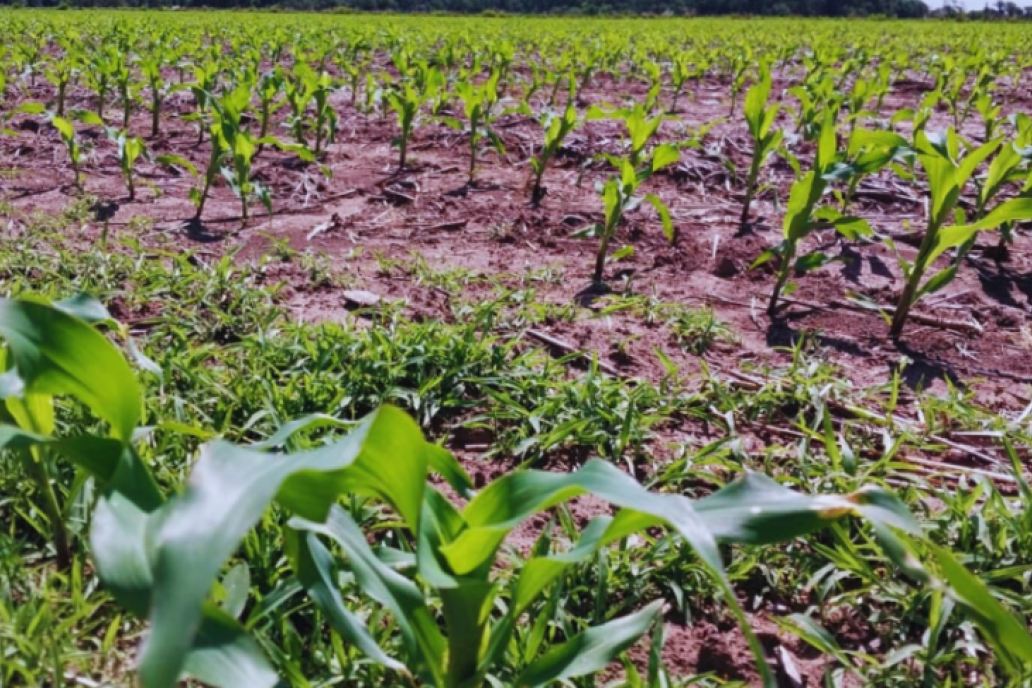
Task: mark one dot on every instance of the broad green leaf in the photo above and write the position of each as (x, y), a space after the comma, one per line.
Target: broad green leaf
(221, 652)
(942, 186)
(812, 261)
(115, 464)
(55, 353)
(756, 510)
(230, 487)
(510, 500)
(64, 127)
(664, 156)
(664, 215)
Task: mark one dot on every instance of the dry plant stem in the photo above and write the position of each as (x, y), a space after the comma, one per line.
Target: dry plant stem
(568, 348)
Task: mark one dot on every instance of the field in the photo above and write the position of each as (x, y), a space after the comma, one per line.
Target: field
(454, 352)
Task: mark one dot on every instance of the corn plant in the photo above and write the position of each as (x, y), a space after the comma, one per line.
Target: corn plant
(682, 70)
(232, 155)
(325, 114)
(478, 102)
(160, 557)
(760, 115)
(298, 90)
(804, 215)
(125, 81)
(948, 170)
(737, 65)
(101, 75)
(206, 76)
(270, 84)
(130, 148)
(66, 130)
(159, 87)
(62, 73)
(620, 194)
(418, 87)
(556, 128)
(50, 352)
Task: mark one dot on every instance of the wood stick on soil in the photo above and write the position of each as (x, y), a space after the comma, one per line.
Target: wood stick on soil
(968, 327)
(568, 348)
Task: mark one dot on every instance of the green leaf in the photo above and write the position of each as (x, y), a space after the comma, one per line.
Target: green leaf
(314, 567)
(114, 463)
(177, 161)
(236, 585)
(30, 109)
(510, 500)
(84, 307)
(664, 156)
(63, 126)
(388, 587)
(938, 281)
(756, 510)
(622, 252)
(88, 117)
(812, 261)
(220, 652)
(230, 487)
(55, 353)
(1007, 634)
(589, 651)
(664, 215)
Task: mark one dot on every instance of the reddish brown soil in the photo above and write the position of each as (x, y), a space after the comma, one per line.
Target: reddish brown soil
(365, 211)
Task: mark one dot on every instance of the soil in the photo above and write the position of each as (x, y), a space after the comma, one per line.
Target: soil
(368, 214)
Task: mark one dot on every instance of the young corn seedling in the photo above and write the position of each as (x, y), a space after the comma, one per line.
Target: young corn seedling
(478, 102)
(298, 90)
(804, 215)
(948, 171)
(325, 114)
(240, 148)
(159, 87)
(75, 153)
(737, 67)
(407, 99)
(556, 128)
(760, 115)
(685, 68)
(206, 75)
(620, 194)
(125, 82)
(62, 73)
(101, 76)
(130, 148)
(269, 86)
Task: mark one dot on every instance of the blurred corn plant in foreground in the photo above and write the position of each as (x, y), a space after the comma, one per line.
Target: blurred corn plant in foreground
(454, 614)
